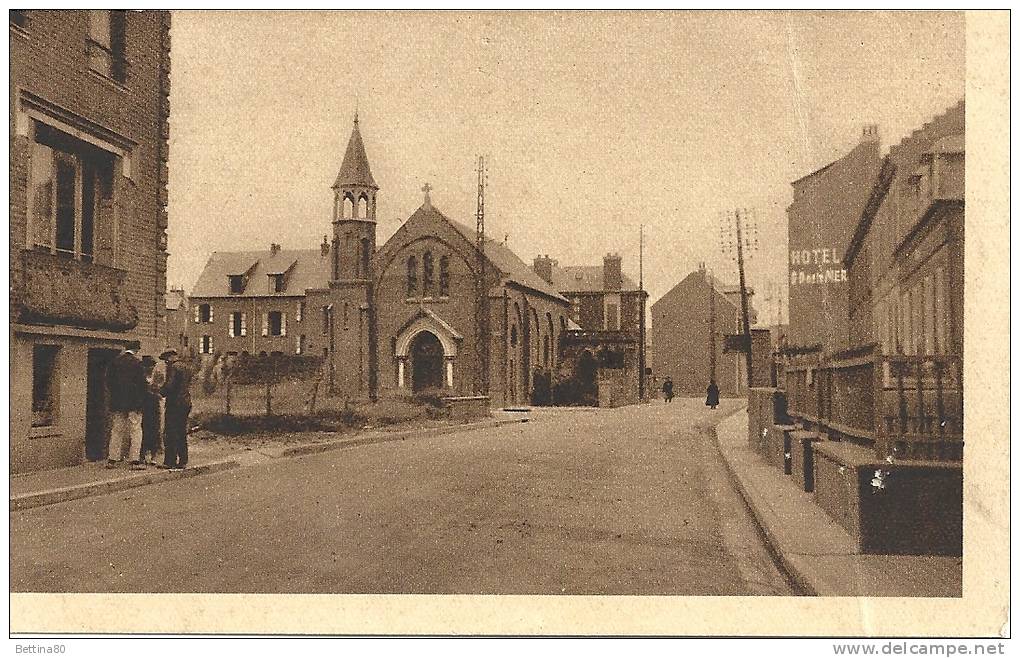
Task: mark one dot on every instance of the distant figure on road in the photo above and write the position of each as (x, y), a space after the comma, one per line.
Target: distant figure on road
(667, 389)
(712, 398)
(126, 382)
(177, 391)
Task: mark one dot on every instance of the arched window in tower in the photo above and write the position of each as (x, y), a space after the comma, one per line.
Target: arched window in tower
(363, 207)
(513, 336)
(426, 274)
(412, 276)
(444, 276)
(366, 256)
(348, 207)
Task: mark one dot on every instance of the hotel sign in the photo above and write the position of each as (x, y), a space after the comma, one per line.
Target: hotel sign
(816, 266)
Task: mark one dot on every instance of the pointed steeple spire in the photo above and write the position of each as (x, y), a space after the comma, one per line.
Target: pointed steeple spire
(355, 170)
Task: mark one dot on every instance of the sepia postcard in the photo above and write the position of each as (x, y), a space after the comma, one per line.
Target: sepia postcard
(672, 323)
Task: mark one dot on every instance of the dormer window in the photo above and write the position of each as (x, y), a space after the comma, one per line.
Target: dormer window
(236, 284)
(275, 283)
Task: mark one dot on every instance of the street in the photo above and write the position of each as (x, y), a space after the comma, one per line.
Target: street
(633, 500)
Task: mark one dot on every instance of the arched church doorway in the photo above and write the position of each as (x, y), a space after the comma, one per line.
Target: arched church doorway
(426, 362)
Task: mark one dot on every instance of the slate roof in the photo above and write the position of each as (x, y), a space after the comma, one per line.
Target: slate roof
(305, 268)
(355, 169)
(585, 278)
(505, 260)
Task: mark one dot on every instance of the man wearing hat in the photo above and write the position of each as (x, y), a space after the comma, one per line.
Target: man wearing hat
(177, 392)
(126, 383)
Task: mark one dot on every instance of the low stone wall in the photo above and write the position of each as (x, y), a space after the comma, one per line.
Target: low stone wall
(466, 407)
(777, 446)
(906, 508)
(617, 388)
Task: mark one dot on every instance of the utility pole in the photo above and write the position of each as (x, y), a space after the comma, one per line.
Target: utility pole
(641, 306)
(746, 239)
(482, 302)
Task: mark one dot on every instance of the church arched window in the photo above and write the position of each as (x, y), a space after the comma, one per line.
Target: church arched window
(426, 274)
(513, 336)
(444, 276)
(348, 207)
(363, 207)
(412, 276)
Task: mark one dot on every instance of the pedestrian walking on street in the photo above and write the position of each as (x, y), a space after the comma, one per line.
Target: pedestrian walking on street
(177, 392)
(667, 389)
(126, 384)
(712, 396)
(151, 420)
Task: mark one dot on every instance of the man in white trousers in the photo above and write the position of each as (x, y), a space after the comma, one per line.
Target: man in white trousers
(127, 386)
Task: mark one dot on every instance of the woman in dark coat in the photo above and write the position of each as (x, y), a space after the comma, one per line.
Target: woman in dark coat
(712, 398)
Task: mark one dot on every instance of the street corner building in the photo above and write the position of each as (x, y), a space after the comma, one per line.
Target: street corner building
(689, 324)
(401, 319)
(89, 108)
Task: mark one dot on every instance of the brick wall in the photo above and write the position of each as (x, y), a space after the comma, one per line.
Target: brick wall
(48, 60)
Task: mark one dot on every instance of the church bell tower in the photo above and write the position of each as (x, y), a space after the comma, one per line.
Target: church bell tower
(354, 223)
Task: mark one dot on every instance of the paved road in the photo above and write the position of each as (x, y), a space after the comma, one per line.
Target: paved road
(625, 501)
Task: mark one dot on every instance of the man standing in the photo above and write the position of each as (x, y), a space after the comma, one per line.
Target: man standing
(150, 411)
(667, 389)
(126, 382)
(177, 391)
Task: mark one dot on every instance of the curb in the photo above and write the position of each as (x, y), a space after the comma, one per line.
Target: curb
(63, 494)
(314, 448)
(786, 563)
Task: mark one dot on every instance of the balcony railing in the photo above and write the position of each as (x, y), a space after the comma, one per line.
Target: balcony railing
(55, 289)
(905, 407)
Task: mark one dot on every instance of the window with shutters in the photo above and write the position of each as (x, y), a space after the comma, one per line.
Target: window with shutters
(203, 313)
(300, 312)
(236, 284)
(69, 183)
(300, 348)
(106, 43)
(275, 283)
(206, 346)
(277, 323)
(237, 324)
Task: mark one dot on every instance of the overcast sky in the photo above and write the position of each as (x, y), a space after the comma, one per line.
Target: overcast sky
(593, 124)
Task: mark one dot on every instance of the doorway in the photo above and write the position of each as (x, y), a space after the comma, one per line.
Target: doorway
(426, 362)
(97, 406)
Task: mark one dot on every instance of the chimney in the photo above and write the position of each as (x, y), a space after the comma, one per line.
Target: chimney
(543, 267)
(869, 133)
(612, 273)
(324, 247)
(274, 249)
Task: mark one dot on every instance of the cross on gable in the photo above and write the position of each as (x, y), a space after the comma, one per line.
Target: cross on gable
(426, 189)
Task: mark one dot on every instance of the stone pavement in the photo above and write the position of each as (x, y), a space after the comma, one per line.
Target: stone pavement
(94, 479)
(817, 553)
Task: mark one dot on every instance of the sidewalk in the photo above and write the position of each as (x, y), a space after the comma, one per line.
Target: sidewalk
(814, 550)
(94, 479)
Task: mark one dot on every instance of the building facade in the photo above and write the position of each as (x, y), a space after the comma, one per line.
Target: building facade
(682, 336)
(905, 260)
(826, 205)
(89, 109)
(606, 311)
